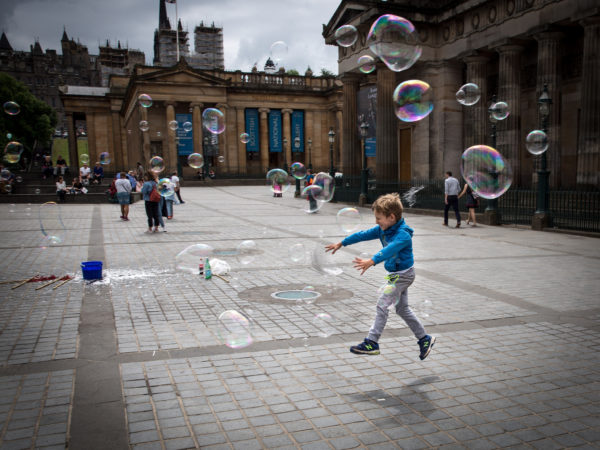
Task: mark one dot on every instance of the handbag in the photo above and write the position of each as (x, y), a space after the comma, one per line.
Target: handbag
(154, 195)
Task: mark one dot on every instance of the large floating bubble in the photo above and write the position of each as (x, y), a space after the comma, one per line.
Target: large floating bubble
(499, 111)
(234, 330)
(247, 252)
(51, 224)
(244, 138)
(323, 322)
(156, 164)
(348, 219)
(213, 120)
(195, 160)
(187, 126)
(144, 125)
(145, 100)
(346, 35)
(312, 191)
(278, 180)
(12, 108)
(105, 158)
(486, 171)
(536, 142)
(298, 170)
(366, 64)
(12, 152)
(327, 184)
(173, 125)
(165, 187)
(468, 94)
(412, 100)
(189, 259)
(297, 252)
(84, 158)
(395, 41)
(279, 51)
(324, 262)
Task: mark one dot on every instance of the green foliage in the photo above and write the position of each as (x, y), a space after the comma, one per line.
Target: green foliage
(327, 73)
(293, 72)
(35, 121)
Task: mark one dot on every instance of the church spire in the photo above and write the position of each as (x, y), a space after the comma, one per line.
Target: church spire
(4, 44)
(163, 20)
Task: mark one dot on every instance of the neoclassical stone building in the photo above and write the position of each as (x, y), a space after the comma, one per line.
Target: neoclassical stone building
(511, 49)
(288, 118)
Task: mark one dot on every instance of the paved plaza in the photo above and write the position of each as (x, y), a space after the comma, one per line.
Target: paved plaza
(135, 360)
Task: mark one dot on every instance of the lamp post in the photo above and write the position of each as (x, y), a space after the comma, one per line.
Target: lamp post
(331, 135)
(297, 147)
(309, 154)
(491, 211)
(364, 173)
(541, 217)
(205, 166)
(285, 166)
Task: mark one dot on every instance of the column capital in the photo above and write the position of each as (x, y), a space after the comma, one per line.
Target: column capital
(263, 110)
(198, 104)
(549, 36)
(350, 78)
(590, 21)
(287, 111)
(475, 57)
(509, 48)
(222, 106)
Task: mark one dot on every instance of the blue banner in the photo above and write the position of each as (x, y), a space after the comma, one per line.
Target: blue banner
(367, 108)
(275, 144)
(252, 122)
(185, 139)
(298, 131)
(370, 146)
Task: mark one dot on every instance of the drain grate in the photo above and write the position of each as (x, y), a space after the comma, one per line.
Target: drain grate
(295, 294)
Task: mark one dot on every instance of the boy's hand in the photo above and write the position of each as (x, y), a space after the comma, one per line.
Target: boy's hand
(363, 264)
(333, 247)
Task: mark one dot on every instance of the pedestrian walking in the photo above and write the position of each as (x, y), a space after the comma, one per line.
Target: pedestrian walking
(451, 190)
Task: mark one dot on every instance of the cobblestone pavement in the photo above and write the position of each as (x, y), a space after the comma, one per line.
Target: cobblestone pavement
(136, 360)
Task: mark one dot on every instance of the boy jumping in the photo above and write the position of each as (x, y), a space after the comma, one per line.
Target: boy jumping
(397, 252)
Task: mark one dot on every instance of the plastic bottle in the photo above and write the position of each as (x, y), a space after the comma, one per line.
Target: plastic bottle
(207, 271)
(201, 267)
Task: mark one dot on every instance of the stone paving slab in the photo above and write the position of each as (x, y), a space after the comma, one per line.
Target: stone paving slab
(516, 313)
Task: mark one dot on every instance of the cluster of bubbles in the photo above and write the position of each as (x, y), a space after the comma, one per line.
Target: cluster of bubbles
(486, 171)
(468, 94)
(536, 142)
(413, 100)
(410, 197)
(321, 190)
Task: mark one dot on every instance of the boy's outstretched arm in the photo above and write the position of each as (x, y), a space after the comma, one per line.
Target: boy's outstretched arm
(333, 247)
(363, 264)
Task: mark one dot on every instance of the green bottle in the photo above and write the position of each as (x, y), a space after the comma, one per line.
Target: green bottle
(207, 271)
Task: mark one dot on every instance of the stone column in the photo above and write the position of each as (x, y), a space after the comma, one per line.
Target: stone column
(547, 73)
(264, 139)
(287, 134)
(120, 157)
(241, 147)
(73, 154)
(351, 152)
(222, 137)
(588, 151)
(197, 127)
(171, 150)
(310, 134)
(338, 146)
(387, 127)
(93, 152)
(508, 141)
(145, 137)
(476, 116)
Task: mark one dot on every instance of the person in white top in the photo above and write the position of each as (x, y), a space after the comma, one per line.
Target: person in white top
(123, 186)
(84, 173)
(175, 181)
(451, 190)
(61, 188)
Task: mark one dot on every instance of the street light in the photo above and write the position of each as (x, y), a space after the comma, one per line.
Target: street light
(297, 147)
(309, 154)
(205, 166)
(331, 141)
(285, 167)
(364, 173)
(491, 210)
(541, 217)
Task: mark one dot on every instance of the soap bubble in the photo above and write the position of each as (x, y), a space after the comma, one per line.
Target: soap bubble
(173, 125)
(468, 94)
(145, 100)
(499, 111)
(247, 252)
(144, 125)
(189, 258)
(536, 142)
(486, 171)
(346, 35)
(51, 225)
(410, 196)
(278, 180)
(156, 164)
(348, 219)
(37, 191)
(234, 330)
(279, 51)
(366, 64)
(312, 191)
(297, 252)
(213, 120)
(324, 262)
(105, 158)
(84, 158)
(324, 323)
(195, 160)
(221, 159)
(395, 41)
(244, 138)
(19, 179)
(298, 170)
(12, 152)
(165, 187)
(12, 108)
(9, 136)
(326, 183)
(412, 100)
(187, 126)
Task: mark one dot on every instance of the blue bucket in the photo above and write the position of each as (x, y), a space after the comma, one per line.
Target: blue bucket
(92, 270)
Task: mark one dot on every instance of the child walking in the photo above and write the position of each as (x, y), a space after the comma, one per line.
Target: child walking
(396, 237)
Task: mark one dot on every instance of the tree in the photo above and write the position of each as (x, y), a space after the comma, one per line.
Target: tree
(35, 121)
(293, 72)
(327, 73)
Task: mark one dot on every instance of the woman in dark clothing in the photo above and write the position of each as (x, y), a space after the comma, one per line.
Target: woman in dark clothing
(152, 210)
(472, 203)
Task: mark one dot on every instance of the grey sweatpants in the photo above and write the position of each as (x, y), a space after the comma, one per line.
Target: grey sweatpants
(395, 293)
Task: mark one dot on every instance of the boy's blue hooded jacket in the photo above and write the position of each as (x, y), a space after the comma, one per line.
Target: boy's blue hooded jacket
(397, 249)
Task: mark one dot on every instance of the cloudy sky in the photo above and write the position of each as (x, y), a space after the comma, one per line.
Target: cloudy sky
(249, 28)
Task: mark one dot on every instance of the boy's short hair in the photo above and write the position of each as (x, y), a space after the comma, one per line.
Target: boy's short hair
(389, 204)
